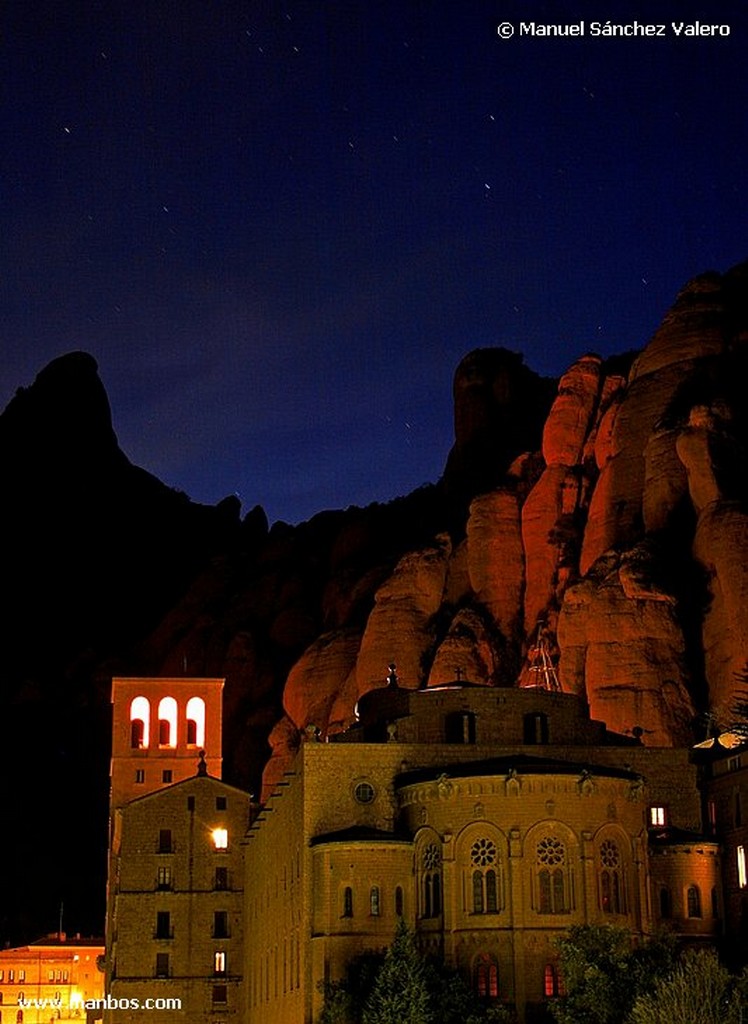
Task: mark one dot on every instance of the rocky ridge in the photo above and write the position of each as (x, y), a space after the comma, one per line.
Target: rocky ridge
(606, 509)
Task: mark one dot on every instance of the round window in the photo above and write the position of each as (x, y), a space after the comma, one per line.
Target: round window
(364, 792)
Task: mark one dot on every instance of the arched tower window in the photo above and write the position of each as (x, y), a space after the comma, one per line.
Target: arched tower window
(348, 902)
(552, 876)
(486, 977)
(483, 861)
(612, 899)
(399, 901)
(374, 903)
(167, 722)
(196, 722)
(140, 720)
(693, 901)
(431, 892)
(666, 903)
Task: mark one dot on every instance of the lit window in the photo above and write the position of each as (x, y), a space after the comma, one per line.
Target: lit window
(164, 878)
(139, 775)
(167, 722)
(486, 977)
(657, 816)
(219, 962)
(11, 975)
(220, 838)
(196, 722)
(374, 901)
(22, 975)
(742, 874)
(140, 717)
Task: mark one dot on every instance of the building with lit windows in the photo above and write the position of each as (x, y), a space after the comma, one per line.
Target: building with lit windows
(176, 865)
(51, 979)
(490, 820)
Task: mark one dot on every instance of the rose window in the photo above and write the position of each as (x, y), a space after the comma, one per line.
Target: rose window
(483, 853)
(550, 851)
(609, 854)
(431, 857)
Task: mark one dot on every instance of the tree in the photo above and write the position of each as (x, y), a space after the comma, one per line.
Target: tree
(603, 974)
(400, 994)
(699, 990)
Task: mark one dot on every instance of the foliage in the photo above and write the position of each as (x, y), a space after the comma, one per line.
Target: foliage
(603, 974)
(400, 994)
(699, 990)
(405, 988)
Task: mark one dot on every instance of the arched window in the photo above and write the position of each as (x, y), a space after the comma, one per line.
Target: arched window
(432, 884)
(486, 977)
(374, 905)
(398, 901)
(693, 901)
(196, 722)
(666, 903)
(552, 983)
(611, 879)
(483, 860)
(552, 876)
(140, 718)
(167, 722)
(715, 901)
(348, 902)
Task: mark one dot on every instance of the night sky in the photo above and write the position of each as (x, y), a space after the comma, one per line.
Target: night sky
(278, 226)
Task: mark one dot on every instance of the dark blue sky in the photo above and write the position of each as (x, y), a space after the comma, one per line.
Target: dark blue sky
(278, 226)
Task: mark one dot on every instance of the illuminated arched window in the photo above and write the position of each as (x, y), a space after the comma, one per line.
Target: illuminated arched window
(486, 977)
(196, 722)
(552, 982)
(167, 722)
(140, 720)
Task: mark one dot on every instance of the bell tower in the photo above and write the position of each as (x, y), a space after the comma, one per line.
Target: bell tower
(159, 729)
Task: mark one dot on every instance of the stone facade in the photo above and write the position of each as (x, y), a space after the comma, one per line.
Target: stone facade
(50, 979)
(176, 864)
(491, 820)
